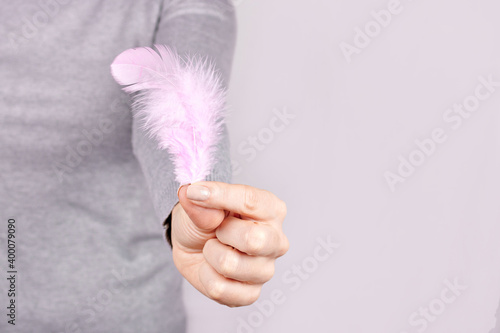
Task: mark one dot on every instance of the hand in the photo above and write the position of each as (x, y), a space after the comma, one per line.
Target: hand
(226, 239)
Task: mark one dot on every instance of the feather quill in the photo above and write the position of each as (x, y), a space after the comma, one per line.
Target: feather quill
(181, 104)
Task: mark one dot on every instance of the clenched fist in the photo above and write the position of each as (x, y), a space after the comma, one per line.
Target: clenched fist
(226, 238)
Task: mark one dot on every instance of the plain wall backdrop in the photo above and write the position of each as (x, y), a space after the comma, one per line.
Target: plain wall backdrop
(324, 131)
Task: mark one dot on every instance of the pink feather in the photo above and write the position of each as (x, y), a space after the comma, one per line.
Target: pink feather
(181, 103)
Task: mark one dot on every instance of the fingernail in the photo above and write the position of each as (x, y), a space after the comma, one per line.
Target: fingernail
(197, 192)
(182, 186)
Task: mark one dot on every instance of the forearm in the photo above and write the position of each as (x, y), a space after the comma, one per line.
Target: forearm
(195, 28)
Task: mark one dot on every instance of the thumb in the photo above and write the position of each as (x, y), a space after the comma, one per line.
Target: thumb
(203, 218)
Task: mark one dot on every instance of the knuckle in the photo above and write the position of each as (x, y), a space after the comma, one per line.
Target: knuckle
(215, 290)
(282, 208)
(253, 296)
(256, 239)
(251, 199)
(228, 263)
(285, 246)
(268, 273)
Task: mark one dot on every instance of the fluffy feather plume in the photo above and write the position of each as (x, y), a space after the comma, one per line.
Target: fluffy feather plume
(181, 103)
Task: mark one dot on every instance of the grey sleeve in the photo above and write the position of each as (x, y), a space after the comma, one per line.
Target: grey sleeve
(192, 27)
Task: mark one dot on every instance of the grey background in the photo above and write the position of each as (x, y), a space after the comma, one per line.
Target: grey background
(352, 120)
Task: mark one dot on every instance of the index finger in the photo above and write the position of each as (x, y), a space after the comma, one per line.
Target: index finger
(248, 201)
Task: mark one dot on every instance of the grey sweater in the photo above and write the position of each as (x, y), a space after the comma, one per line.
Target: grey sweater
(87, 189)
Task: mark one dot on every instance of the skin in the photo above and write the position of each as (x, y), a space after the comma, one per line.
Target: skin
(226, 245)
